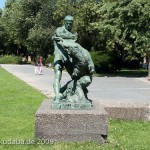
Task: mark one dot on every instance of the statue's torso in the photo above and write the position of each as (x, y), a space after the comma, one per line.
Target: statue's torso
(76, 55)
(65, 34)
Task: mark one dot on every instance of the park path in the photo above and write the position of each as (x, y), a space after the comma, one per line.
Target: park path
(104, 89)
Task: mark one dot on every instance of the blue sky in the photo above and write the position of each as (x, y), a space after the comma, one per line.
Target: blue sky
(2, 3)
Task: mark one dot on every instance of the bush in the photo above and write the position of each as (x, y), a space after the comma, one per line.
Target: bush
(50, 59)
(131, 64)
(103, 62)
(10, 59)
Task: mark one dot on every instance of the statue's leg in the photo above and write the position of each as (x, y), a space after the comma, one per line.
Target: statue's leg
(57, 85)
(63, 89)
(58, 65)
(85, 81)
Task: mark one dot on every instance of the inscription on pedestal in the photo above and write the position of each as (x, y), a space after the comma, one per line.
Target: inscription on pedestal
(68, 105)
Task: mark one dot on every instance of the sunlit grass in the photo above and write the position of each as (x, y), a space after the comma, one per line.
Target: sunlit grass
(126, 73)
(18, 105)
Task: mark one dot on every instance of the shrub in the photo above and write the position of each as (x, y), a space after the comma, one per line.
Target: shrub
(131, 64)
(50, 59)
(103, 62)
(10, 59)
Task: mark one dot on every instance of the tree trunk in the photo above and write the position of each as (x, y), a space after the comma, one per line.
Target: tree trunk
(149, 64)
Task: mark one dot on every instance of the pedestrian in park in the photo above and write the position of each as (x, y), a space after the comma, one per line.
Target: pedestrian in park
(38, 66)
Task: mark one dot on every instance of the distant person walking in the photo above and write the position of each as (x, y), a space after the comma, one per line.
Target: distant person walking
(38, 66)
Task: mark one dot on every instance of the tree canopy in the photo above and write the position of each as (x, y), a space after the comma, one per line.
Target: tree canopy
(113, 26)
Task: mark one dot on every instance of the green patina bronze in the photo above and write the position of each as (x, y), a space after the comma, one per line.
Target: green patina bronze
(78, 63)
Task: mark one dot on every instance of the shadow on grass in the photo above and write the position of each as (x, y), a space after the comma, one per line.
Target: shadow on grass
(126, 73)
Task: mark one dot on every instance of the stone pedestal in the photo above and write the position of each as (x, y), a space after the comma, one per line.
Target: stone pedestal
(71, 125)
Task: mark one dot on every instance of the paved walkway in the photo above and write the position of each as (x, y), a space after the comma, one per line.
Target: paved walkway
(104, 89)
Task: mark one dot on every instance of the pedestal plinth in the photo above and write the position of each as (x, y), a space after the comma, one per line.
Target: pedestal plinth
(71, 125)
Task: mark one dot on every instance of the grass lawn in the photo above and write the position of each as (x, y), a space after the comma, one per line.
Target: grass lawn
(18, 104)
(126, 73)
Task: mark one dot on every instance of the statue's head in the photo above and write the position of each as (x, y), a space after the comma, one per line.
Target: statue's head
(68, 21)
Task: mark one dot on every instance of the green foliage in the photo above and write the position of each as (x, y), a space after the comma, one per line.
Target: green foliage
(86, 14)
(123, 27)
(103, 62)
(1, 12)
(10, 59)
(2, 34)
(131, 73)
(39, 36)
(113, 26)
(29, 24)
(50, 59)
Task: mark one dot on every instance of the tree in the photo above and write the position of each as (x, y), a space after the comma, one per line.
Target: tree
(39, 38)
(123, 27)
(120, 28)
(2, 34)
(14, 25)
(29, 25)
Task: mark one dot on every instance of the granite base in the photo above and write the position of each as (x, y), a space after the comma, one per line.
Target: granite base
(71, 125)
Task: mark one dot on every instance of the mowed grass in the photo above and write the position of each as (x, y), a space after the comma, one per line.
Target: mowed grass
(126, 73)
(18, 105)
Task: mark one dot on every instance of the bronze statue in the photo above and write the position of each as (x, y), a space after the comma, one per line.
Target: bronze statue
(78, 63)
